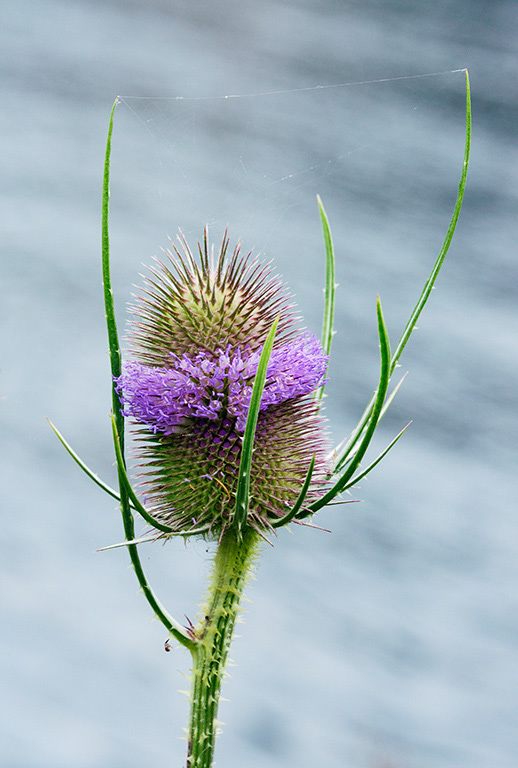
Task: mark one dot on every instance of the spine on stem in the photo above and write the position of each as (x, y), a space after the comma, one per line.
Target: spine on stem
(232, 565)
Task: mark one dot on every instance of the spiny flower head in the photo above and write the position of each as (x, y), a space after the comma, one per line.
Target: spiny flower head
(196, 339)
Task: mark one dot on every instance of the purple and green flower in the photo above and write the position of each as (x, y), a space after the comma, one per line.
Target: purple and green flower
(196, 340)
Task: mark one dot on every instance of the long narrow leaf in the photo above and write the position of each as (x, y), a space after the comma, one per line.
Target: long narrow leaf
(138, 507)
(145, 539)
(294, 511)
(97, 480)
(123, 475)
(374, 418)
(371, 466)
(447, 240)
(173, 626)
(113, 338)
(344, 451)
(141, 540)
(243, 484)
(329, 291)
(392, 395)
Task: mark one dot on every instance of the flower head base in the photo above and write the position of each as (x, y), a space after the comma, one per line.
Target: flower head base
(197, 339)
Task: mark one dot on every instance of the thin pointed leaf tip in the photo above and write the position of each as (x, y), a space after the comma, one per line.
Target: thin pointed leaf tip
(198, 329)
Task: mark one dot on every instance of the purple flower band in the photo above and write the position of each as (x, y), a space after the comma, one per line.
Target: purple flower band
(203, 385)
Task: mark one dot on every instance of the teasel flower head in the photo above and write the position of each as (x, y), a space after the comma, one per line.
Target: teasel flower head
(195, 341)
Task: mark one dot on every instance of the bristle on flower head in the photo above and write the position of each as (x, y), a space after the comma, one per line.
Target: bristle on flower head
(196, 339)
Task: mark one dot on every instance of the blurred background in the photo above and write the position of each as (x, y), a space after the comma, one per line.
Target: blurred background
(393, 641)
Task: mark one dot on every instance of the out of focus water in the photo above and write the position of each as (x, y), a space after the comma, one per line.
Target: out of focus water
(394, 640)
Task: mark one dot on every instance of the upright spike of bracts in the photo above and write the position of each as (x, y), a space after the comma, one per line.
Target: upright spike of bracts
(196, 338)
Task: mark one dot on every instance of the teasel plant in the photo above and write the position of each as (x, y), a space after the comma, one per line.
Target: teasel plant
(225, 394)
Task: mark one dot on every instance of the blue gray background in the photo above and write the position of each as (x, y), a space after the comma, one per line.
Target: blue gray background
(394, 640)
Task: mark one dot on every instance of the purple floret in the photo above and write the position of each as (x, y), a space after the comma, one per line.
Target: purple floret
(203, 385)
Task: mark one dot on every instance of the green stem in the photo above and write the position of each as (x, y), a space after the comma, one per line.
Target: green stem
(232, 565)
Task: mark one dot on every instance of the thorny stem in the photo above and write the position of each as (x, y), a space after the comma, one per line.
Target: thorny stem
(232, 565)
